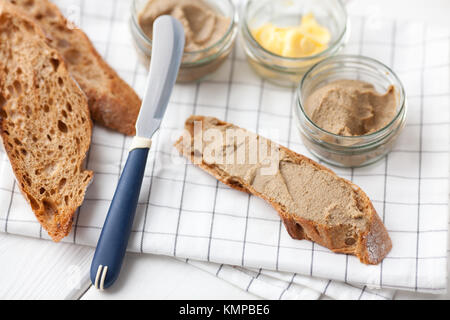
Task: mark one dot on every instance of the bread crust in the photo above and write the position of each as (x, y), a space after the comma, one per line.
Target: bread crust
(370, 247)
(54, 212)
(112, 102)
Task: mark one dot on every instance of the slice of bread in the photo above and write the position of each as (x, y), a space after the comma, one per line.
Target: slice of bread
(44, 122)
(112, 102)
(313, 202)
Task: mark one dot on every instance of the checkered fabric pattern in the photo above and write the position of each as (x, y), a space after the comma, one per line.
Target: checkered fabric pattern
(185, 213)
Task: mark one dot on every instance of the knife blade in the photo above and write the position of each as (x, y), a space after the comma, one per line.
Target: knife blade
(165, 62)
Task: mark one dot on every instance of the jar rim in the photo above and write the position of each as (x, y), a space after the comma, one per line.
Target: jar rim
(233, 22)
(356, 58)
(321, 54)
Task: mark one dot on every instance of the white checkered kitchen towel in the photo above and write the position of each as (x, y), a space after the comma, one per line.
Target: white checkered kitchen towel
(185, 213)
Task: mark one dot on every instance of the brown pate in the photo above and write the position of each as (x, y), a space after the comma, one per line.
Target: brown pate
(203, 25)
(351, 107)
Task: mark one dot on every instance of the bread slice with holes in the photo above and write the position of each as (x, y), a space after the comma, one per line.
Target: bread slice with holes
(44, 122)
(313, 202)
(112, 102)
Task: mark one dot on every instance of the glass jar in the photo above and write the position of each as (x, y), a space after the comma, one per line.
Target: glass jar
(349, 151)
(195, 65)
(282, 70)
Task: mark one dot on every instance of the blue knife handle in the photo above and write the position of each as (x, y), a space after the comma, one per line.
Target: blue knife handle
(113, 240)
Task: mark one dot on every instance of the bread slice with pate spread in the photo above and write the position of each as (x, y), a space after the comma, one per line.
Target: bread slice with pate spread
(112, 102)
(313, 202)
(45, 124)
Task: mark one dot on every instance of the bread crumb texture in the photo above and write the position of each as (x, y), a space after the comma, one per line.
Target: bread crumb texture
(44, 121)
(112, 102)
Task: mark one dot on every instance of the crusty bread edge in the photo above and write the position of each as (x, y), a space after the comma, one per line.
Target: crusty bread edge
(371, 246)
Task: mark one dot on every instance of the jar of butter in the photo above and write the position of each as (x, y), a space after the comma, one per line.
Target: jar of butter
(350, 110)
(210, 28)
(282, 39)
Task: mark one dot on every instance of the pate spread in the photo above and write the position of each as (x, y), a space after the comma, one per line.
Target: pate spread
(351, 107)
(203, 25)
(301, 188)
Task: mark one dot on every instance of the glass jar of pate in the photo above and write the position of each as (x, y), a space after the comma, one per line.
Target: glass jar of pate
(195, 65)
(286, 71)
(350, 151)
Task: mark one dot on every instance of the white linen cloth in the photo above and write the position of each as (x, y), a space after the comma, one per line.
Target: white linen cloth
(185, 213)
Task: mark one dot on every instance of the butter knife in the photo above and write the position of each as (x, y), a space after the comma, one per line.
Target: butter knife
(167, 51)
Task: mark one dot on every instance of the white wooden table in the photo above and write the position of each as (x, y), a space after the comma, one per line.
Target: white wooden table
(39, 269)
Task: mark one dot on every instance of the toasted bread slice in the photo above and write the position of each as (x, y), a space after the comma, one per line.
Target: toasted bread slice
(44, 122)
(112, 102)
(313, 202)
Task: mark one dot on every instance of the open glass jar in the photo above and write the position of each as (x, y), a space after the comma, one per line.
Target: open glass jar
(282, 70)
(349, 151)
(195, 65)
